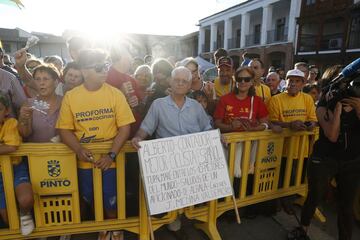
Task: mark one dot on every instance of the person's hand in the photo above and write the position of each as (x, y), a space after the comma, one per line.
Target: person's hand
(135, 142)
(208, 89)
(20, 58)
(338, 109)
(310, 126)
(104, 162)
(247, 126)
(25, 113)
(223, 140)
(133, 101)
(85, 155)
(236, 124)
(352, 102)
(297, 125)
(276, 129)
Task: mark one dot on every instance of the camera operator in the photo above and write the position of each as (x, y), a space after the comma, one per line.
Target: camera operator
(336, 154)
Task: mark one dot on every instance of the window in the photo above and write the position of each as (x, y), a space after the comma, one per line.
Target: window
(257, 33)
(310, 2)
(280, 29)
(354, 40)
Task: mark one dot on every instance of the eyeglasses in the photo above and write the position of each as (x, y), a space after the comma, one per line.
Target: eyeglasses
(243, 79)
(101, 67)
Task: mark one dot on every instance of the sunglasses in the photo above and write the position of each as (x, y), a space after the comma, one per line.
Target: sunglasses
(101, 67)
(243, 79)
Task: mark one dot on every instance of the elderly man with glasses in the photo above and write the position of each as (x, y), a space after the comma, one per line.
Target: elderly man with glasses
(95, 112)
(174, 115)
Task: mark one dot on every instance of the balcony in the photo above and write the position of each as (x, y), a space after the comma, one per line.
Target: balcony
(233, 43)
(331, 42)
(354, 40)
(277, 35)
(308, 43)
(218, 44)
(252, 39)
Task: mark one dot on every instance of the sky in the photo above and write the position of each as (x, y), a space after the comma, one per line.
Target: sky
(105, 17)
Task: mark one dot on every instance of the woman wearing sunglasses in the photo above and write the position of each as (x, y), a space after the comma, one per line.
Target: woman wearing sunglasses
(241, 110)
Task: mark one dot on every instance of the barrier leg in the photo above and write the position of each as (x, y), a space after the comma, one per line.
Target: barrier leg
(143, 216)
(318, 214)
(210, 227)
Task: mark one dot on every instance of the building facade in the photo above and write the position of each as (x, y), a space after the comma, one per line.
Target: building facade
(15, 39)
(263, 28)
(328, 32)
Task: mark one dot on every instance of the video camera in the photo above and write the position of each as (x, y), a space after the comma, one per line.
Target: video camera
(346, 84)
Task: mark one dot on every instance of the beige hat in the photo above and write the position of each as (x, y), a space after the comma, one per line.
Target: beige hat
(295, 73)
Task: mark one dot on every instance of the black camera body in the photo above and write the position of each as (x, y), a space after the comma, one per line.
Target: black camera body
(345, 88)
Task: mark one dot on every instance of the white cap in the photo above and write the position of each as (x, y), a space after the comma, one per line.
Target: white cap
(295, 73)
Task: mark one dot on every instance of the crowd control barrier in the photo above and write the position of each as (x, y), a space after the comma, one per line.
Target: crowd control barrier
(53, 175)
(268, 154)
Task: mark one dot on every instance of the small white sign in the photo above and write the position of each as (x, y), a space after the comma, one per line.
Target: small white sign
(183, 171)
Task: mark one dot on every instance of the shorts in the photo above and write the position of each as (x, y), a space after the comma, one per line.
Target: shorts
(21, 175)
(86, 190)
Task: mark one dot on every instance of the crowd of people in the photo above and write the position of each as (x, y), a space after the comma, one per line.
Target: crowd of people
(100, 97)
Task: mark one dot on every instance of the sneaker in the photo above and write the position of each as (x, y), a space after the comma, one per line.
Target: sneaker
(65, 237)
(26, 224)
(298, 233)
(117, 235)
(104, 235)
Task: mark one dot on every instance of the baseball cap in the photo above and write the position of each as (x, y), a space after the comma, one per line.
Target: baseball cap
(295, 73)
(225, 61)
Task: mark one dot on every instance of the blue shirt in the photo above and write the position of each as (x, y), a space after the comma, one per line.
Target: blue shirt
(166, 119)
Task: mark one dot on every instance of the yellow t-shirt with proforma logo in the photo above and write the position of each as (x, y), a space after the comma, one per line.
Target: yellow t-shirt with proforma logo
(94, 116)
(286, 108)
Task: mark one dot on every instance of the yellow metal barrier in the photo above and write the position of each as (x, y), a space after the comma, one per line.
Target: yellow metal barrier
(54, 178)
(53, 173)
(266, 173)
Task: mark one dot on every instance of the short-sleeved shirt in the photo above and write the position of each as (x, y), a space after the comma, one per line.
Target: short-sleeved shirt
(11, 86)
(43, 125)
(9, 135)
(95, 116)
(263, 92)
(230, 108)
(286, 108)
(220, 89)
(129, 87)
(166, 119)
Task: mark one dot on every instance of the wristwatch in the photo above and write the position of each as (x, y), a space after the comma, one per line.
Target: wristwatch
(112, 155)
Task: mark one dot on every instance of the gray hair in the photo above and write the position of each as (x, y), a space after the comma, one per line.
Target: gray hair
(180, 70)
(273, 73)
(143, 69)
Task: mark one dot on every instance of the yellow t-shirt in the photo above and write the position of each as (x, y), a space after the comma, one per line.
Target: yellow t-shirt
(9, 135)
(263, 92)
(94, 116)
(286, 108)
(221, 90)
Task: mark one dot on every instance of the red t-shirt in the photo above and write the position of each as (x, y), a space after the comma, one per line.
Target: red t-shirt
(128, 86)
(230, 107)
